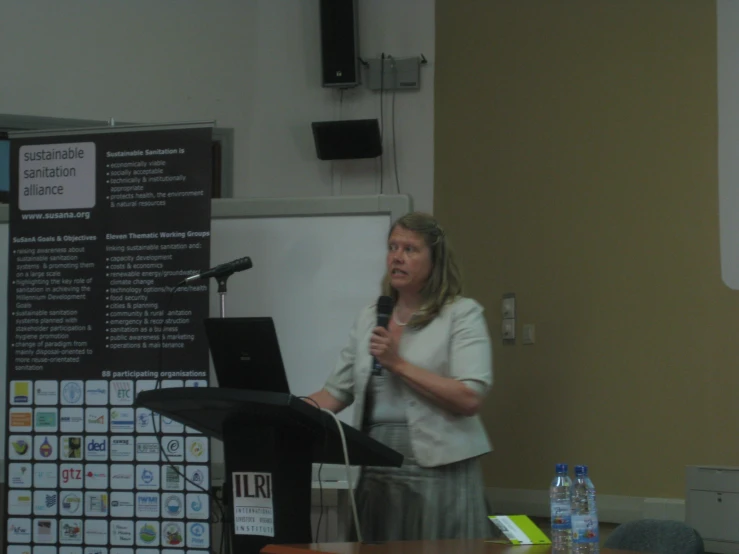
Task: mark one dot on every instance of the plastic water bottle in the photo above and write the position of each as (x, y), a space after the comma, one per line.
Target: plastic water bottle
(584, 514)
(560, 499)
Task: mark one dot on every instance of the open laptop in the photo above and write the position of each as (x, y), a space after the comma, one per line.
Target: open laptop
(246, 353)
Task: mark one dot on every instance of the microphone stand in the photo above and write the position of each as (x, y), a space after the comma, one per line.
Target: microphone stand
(222, 292)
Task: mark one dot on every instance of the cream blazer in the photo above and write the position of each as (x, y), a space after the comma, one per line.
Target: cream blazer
(455, 344)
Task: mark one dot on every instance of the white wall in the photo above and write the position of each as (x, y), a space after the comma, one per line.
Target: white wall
(253, 65)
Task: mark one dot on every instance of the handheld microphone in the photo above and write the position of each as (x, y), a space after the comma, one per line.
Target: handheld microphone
(384, 309)
(223, 270)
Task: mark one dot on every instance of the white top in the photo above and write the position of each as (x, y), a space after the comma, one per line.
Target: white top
(455, 344)
(384, 399)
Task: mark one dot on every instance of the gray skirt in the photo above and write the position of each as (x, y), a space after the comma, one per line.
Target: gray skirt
(420, 503)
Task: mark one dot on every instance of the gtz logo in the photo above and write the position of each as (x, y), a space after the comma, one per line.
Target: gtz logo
(71, 474)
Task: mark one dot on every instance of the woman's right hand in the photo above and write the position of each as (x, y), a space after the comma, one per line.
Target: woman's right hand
(325, 400)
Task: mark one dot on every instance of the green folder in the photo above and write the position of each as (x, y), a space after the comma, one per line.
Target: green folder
(519, 530)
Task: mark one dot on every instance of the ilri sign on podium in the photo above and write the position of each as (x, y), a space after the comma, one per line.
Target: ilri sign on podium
(270, 442)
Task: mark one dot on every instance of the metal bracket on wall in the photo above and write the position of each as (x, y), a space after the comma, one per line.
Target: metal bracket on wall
(396, 73)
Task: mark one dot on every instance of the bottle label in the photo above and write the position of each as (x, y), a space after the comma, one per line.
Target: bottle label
(561, 515)
(584, 529)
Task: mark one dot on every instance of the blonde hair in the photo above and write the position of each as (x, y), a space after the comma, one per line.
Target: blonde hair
(445, 280)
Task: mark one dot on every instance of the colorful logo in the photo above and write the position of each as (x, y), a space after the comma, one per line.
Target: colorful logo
(20, 392)
(71, 502)
(20, 419)
(21, 501)
(20, 446)
(71, 531)
(197, 449)
(73, 448)
(173, 534)
(73, 473)
(45, 449)
(98, 503)
(173, 505)
(44, 527)
(92, 419)
(122, 420)
(45, 419)
(148, 533)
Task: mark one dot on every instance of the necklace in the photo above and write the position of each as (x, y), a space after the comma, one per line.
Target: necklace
(395, 319)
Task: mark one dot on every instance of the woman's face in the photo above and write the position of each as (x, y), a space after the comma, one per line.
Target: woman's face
(408, 261)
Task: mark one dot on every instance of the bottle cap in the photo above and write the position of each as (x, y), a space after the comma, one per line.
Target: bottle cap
(561, 468)
(581, 470)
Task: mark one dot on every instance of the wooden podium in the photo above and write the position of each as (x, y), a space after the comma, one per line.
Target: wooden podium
(270, 442)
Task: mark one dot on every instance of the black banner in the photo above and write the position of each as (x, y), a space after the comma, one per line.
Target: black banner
(102, 226)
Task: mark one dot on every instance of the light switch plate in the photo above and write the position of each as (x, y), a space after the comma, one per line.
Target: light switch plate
(508, 329)
(508, 306)
(528, 333)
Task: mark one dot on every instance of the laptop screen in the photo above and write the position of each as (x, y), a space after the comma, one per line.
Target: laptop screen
(246, 353)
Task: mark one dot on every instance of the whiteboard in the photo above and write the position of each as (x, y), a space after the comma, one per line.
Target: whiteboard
(317, 262)
(311, 274)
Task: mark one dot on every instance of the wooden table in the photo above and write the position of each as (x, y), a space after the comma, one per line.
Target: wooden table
(415, 547)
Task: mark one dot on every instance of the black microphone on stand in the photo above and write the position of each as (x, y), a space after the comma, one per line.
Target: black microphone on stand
(384, 309)
(223, 270)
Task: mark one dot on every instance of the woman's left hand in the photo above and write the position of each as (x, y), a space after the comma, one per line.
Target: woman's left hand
(384, 348)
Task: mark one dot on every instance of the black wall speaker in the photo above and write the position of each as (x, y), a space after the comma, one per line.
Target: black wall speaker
(347, 139)
(339, 43)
